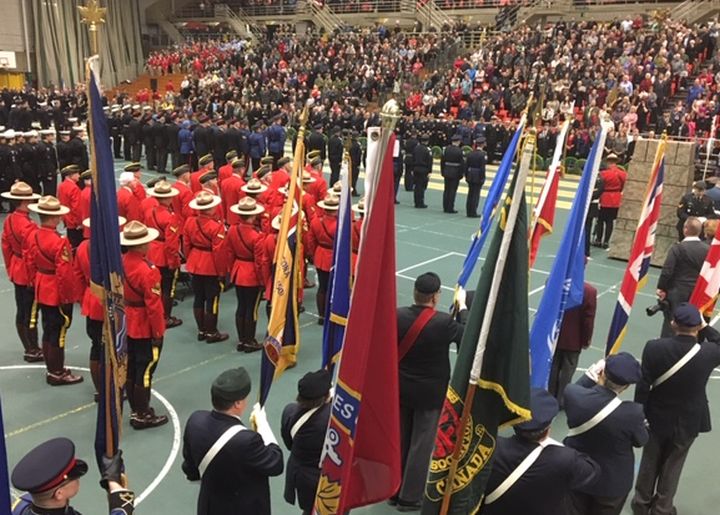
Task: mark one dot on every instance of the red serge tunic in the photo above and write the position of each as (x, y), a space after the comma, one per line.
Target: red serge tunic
(244, 247)
(18, 230)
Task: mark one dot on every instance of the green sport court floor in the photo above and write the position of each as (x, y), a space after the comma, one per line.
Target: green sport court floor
(426, 240)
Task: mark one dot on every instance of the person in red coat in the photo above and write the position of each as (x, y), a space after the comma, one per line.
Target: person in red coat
(69, 195)
(257, 190)
(18, 231)
(137, 185)
(164, 251)
(318, 187)
(203, 237)
(149, 202)
(90, 306)
(145, 322)
(85, 198)
(358, 208)
(128, 204)
(245, 255)
(268, 245)
(49, 261)
(281, 175)
(226, 170)
(320, 240)
(181, 202)
(575, 335)
(613, 178)
(206, 166)
(231, 190)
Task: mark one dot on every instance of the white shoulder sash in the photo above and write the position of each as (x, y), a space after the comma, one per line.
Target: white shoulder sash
(217, 447)
(677, 366)
(599, 417)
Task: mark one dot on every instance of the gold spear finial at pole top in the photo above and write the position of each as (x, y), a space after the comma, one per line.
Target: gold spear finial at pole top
(93, 16)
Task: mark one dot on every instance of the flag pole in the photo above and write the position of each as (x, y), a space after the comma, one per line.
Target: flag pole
(487, 319)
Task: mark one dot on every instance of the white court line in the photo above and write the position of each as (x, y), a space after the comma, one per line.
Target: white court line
(403, 276)
(536, 290)
(426, 262)
(176, 433)
(536, 270)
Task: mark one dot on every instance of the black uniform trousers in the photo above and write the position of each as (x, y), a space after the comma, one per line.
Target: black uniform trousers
(117, 145)
(334, 172)
(473, 199)
(162, 157)
(449, 194)
(127, 149)
(49, 185)
(421, 182)
(168, 280)
(659, 475)
(563, 368)
(604, 227)
(409, 179)
(143, 357)
(592, 214)
(151, 157)
(75, 237)
(94, 331)
(207, 289)
(246, 312)
(56, 321)
(26, 312)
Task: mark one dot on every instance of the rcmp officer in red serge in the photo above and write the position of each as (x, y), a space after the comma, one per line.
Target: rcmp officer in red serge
(245, 255)
(231, 190)
(18, 231)
(145, 321)
(51, 473)
(613, 179)
(90, 306)
(203, 238)
(320, 239)
(425, 336)
(303, 431)
(357, 224)
(532, 474)
(128, 204)
(675, 374)
(50, 262)
(606, 429)
(231, 461)
(69, 195)
(164, 252)
(181, 203)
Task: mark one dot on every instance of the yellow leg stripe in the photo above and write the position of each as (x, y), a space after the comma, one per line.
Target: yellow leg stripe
(257, 305)
(155, 359)
(173, 285)
(64, 328)
(33, 315)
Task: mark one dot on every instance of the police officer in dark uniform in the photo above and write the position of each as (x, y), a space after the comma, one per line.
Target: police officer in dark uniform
(201, 136)
(115, 124)
(50, 473)
(63, 150)
(409, 146)
(452, 168)
(675, 375)
(172, 129)
(276, 137)
(422, 167)
(695, 203)
(78, 150)
(28, 156)
(159, 133)
(235, 480)
(48, 164)
(543, 488)
(606, 429)
(219, 142)
(126, 119)
(134, 136)
(303, 431)
(148, 139)
(475, 177)
(335, 150)
(316, 141)
(355, 160)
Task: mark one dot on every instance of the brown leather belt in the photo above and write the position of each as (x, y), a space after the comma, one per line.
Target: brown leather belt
(47, 271)
(134, 303)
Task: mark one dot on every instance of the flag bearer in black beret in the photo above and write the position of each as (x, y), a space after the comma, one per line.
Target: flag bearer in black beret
(231, 461)
(303, 430)
(50, 473)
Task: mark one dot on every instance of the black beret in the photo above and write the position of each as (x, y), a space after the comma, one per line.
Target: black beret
(180, 170)
(47, 466)
(544, 407)
(622, 368)
(208, 177)
(687, 315)
(232, 385)
(456, 137)
(314, 385)
(429, 282)
(318, 126)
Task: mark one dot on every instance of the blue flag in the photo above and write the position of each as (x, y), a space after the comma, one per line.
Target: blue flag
(5, 501)
(564, 287)
(486, 217)
(106, 272)
(338, 305)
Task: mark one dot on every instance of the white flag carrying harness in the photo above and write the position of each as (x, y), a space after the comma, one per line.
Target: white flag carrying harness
(520, 470)
(599, 417)
(217, 447)
(677, 366)
(301, 421)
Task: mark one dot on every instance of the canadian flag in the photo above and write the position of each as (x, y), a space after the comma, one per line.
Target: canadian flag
(708, 283)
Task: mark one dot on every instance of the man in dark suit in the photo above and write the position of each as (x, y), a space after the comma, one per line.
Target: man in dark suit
(409, 146)
(609, 440)
(422, 167)
(575, 335)
(543, 488)
(303, 430)
(316, 141)
(233, 463)
(172, 130)
(201, 136)
(452, 168)
(680, 270)
(675, 374)
(335, 151)
(425, 336)
(475, 177)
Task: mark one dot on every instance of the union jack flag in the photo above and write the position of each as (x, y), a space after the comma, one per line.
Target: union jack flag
(642, 249)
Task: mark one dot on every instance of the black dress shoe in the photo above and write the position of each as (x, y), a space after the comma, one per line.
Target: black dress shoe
(407, 506)
(473, 216)
(421, 206)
